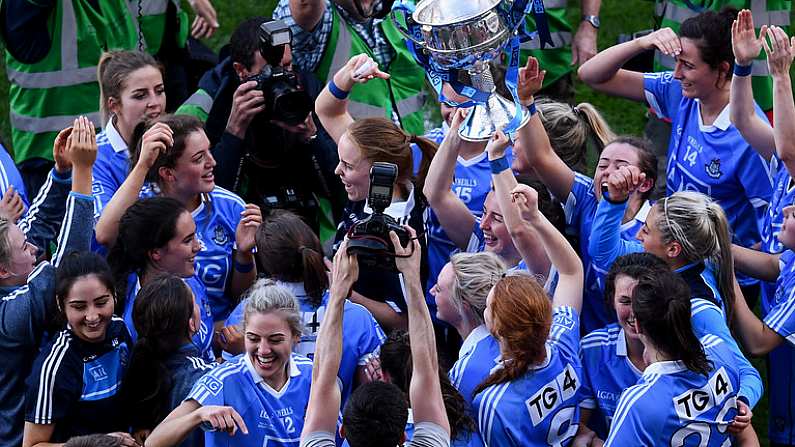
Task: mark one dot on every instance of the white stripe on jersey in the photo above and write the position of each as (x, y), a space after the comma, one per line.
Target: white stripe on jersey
(710, 341)
(25, 289)
(601, 338)
(65, 229)
(49, 372)
(625, 403)
(218, 374)
(488, 409)
(698, 305)
(30, 216)
(775, 320)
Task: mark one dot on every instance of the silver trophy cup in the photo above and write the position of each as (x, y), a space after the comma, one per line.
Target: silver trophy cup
(470, 33)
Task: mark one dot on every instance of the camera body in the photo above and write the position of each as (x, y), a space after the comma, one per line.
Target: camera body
(369, 239)
(285, 97)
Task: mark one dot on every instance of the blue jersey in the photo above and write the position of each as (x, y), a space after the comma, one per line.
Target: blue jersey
(712, 159)
(783, 195)
(10, 176)
(185, 368)
(478, 356)
(607, 372)
(203, 339)
(75, 385)
(362, 336)
(671, 404)
(781, 361)
(274, 418)
(707, 311)
(540, 408)
(580, 211)
(110, 169)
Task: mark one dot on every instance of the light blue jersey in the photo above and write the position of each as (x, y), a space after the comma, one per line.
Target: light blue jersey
(540, 408)
(580, 209)
(478, 356)
(607, 372)
(783, 195)
(362, 336)
(203, 339)
(707, 311)
(713, 159)
(10, 176)
(673, 406)
(781, 361)
(110, 169)
(274, 418)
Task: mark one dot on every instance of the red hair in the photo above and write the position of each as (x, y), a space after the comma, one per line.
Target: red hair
(521, 315)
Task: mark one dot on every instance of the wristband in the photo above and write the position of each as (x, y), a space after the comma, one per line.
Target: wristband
(498, 165)
(336, 91)
(531, 109)
(742, 70)
(243, 268)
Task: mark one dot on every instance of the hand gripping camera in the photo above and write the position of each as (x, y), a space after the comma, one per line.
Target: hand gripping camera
(369, 239)
(285, 98)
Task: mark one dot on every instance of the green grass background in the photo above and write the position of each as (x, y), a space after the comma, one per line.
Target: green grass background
(625, 117)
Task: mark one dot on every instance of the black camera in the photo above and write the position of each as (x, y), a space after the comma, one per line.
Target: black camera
(285, 97)
(369, 239)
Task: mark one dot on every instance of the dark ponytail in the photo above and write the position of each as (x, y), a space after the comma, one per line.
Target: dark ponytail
(161, 314)
(661, 304)
(146, 225)
(711, 32)
(288, 250)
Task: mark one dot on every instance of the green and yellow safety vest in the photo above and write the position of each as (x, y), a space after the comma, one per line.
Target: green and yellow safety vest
(378, 97)
(555, 59)
(46, 96)
(151, 23)
(671, 14)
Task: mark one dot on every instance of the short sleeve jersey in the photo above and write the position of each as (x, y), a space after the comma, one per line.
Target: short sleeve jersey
(203, 339)
(712, 159)
(671, 403)
(580, 209)
(539, 408)
(478, 356)
(274, 418)
(607, 372)
(781, 373)
(75, 384)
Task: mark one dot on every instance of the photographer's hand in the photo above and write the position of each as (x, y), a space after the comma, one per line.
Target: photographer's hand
(247, 102)
(408, 258)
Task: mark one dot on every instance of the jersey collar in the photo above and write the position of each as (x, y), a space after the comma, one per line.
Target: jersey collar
(296, 288)
(668, 367)
(115, 139)
(474, 337)
(397, 210)
(722, 122)
(640, 216)
(294, 371)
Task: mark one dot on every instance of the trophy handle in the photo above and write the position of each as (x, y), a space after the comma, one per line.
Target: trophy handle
(402, 11)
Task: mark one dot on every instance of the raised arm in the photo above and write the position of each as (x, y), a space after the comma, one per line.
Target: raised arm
(569, 289)
(156, 140)
(746, 47)
(425, 391)
(755, 263)
(325, 397)
(756, 336)
(522, 234)
(331, 105)
(533, 141)
(780, 53)
(453, 214)
(189, 415)
(603, 72)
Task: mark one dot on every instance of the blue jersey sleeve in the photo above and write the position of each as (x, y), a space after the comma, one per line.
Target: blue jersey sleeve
(781, 317)
(580, 204)
(756, 176)
(606, 244)
(43, 219)
(209, 390)
(565, 331)
(54, 384)
(104, 184)
(708, 319)
(633, 424)
(663, 93)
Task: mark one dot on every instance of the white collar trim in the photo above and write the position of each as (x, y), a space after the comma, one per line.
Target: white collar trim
(294, 371)
(397, 210)
(722, 122)
(114, 137)
(667, 367)
(474, 337)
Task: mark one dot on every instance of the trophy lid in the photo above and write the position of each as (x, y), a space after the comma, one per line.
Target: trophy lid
(445, 12)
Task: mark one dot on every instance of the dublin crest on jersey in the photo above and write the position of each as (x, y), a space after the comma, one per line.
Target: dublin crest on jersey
(219, 235)
(713, 168)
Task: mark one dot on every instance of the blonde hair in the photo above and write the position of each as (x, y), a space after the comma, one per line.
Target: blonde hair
(265, 297)
(570, 128)
(474, 275)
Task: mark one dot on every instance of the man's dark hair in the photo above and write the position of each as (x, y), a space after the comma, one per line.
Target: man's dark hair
(245, 41)
(375, 415)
